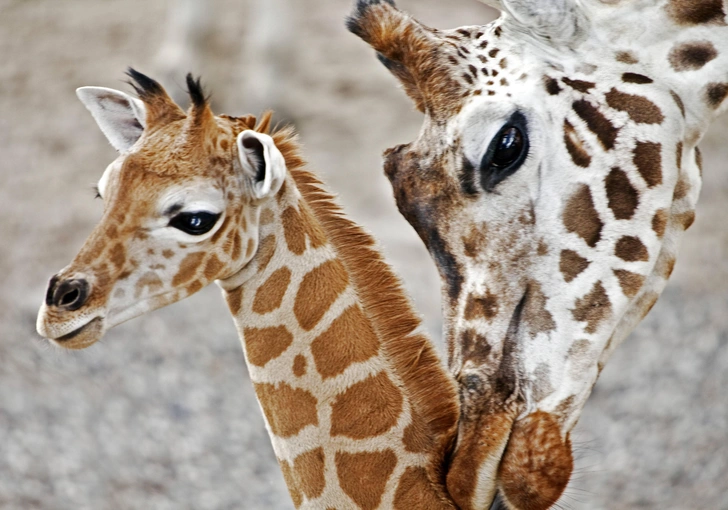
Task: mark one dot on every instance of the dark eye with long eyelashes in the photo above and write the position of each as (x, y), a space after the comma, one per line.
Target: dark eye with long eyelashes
(194, 223)
(506, 153)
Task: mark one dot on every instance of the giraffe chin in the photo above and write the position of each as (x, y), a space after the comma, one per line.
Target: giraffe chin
(83, 337)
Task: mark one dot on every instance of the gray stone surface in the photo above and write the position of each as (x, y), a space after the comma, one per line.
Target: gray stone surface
(161, 414)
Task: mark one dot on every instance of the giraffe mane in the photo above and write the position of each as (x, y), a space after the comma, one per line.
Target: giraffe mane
(413, 356)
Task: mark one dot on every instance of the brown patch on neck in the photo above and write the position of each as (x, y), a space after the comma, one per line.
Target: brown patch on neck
(572, 264)
(270, 294)
(647, 157)
(696, 12)
(623, 198)
(691, 56)
(626, 57)
(363, 476)
(318, 291)
(630, 282)
(537, 463)
(580, 85)
(288, 410)
(485, 307)
(631, 249)
(535, 314)
(715, 94)
(593, 308)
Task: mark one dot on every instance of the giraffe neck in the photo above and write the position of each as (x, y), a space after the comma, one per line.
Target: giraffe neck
(358, 408)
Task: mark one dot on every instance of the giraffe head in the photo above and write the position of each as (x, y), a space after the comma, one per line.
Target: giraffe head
(181, 209)
(553, 176)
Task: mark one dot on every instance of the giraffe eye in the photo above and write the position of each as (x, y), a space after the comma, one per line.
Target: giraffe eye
(194, 223)
(506, 153)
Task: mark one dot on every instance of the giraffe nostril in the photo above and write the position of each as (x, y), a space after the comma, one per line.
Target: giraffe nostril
(69, 294)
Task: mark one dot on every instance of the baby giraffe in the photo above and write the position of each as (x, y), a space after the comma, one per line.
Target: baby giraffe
(360, 412)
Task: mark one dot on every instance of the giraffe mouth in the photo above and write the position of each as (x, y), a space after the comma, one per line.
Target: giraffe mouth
(82, 337)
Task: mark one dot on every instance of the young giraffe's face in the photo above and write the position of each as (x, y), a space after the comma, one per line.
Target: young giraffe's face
(555, 171)
(181, 207)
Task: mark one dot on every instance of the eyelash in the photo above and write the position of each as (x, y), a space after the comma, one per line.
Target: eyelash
(96, 191)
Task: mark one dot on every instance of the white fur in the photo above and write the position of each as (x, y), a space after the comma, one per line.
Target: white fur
(275, 165)
(122, 118)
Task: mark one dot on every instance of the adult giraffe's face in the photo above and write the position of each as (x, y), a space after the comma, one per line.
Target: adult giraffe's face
(181, 206)
(553, 176)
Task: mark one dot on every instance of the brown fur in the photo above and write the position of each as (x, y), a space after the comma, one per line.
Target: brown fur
(639, 108)
(287, 410)
(581, 217)
(576, 146)
(363, 476)
(622, 196)
(572, 264)
(270, 294)
(631, 249)
(696, 12)
(647, 157)
(308, 468)
(326, 282)
(597, 123)
(264, 345)
(630, 282)
(691, 56)
(593, 308)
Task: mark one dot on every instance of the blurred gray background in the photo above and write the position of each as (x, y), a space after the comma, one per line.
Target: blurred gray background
(161, 414)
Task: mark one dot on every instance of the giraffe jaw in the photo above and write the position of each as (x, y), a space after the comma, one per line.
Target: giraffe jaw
(83, 337)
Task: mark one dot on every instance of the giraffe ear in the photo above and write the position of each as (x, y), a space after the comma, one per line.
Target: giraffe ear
(399, 40)
(122, 118)
(262, 162)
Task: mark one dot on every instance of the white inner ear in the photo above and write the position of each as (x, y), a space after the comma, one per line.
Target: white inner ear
(273, 164)
(122, 118)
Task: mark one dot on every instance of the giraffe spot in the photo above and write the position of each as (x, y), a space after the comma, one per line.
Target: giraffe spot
(237, 246)
(631, 249)
(679, 155)
(349, 339)
(288, 410)
(626, 57)
(699, 160)
(363, 476)
(224, 144)
(572, 264)
(542, 248)
(696, 12)
(665, 266)
(266, 250)
(250, 249)
(468, 79)
(117, 255)
(368, 408)
(630, 282)
(541, 386)
(268, 297)
(474, 242)
(715, 94)
(581, 217)
(485, 307)
(474, 347)
(623, 198)
(678, 101)
(682, 188)
(299, 366)
(414, 490)
(576, 146)
(659, 222)
(593, 308)
(691, 56)
(580, 85)
(212, 267)
(640, 109)
(647, 157)
(188, 268)
(293, 490)
(537, 463)
(597, 123)
(266, 344)
(167, 254)
(234, 300)
(149, 281)
(493, 53)
(552, 85)
(266, 217)
(639, 79)
(538, 318)
(308, 468)
(686, 219)
(318, 291)
(194, 287)
(222, 230)
(503, 63)
(297, 225)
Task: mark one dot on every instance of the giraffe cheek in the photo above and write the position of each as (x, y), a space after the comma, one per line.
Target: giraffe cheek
(537, 463)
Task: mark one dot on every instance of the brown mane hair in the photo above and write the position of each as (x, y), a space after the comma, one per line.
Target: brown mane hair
(414, 359)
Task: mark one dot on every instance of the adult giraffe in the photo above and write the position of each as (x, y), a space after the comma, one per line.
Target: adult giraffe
(360, 412)
(555, 172)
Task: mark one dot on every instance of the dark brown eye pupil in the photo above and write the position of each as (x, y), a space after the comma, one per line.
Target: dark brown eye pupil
(196, 223)
(509, 147)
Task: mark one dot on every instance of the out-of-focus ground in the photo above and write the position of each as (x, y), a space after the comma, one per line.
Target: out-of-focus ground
(162, 414)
